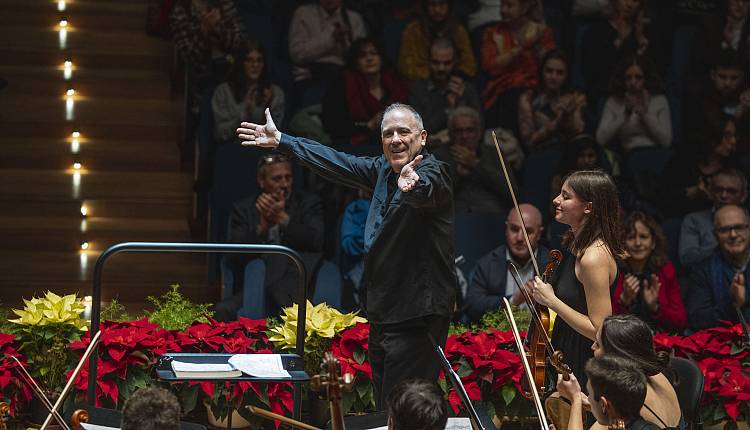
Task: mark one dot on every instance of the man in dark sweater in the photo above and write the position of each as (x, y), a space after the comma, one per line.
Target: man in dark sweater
(280, 216)
(409, 275)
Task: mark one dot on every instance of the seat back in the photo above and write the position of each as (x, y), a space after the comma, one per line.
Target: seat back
(690, 388)
(476, 234)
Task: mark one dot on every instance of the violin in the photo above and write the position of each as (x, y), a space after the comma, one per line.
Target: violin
(333, 382)
(538, 346)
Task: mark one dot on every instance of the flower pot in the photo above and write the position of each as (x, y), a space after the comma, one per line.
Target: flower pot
(38, 413)
(238, 422)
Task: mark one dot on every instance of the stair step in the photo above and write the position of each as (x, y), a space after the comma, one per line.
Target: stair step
(125, 207)
(56, 154)
(23, 185)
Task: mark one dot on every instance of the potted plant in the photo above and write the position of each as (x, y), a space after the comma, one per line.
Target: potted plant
(44, 329)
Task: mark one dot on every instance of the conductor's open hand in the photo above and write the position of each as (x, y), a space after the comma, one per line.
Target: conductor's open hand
(408, 177)
(265, 136)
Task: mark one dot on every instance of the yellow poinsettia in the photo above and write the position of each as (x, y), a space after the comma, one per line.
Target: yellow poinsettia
(321, 321)
(52, 309)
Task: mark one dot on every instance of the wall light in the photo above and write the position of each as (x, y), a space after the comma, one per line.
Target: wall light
(84, 245)
(84, 210)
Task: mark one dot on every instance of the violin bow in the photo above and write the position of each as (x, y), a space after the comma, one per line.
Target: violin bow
(515, 204)
(526, 367)
(286, 420)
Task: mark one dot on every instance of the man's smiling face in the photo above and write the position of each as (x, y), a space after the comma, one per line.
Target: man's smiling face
(402, 137)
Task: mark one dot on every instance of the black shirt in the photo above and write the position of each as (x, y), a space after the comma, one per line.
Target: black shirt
(409, 258)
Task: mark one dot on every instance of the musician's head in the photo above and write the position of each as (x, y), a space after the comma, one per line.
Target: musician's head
(416, 405)
(588, 203)
(403, 135)
(628, 336)
(616, 387)
(514, 238)
(151, 408)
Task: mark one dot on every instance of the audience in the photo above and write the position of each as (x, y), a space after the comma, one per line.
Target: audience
(246, 94)
(320, 34)
(647, 281)
(151, 408)
(687, 174)
(697, 240)
(204, 33)
(416, 405)
(729, 29)
(723, 93)
(511, 52)
(637, 114)
(623, 33)
(478, 184)
(353, 107)
(492, 278)
(551, 113)
(353, 244)
(444, 90)
(580, 153)
(721, 282)
(278, 215)
(436, 20)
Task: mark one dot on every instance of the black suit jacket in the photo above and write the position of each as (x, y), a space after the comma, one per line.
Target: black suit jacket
(304, 234)
(487, 283)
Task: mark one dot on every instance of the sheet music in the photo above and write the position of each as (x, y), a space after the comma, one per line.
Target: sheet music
(260, 365)
(452, 424)
(87, 426)
(181, 366)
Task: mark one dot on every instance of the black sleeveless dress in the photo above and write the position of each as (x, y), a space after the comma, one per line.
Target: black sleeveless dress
(576, 348)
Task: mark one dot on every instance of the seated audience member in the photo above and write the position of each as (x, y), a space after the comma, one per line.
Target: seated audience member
(493, 279)
(436, 20)
(204, 33)
(511, 52)
(623, 33)
(151, 408)
(724, 94)
(728, 29)
(444, 90)
(320, 35)
(721, 283)
(630, 337)
(697, 239)
(353, 244)
(281, 216)
(246, 94)
(551, 113)
(416, 405)
(478, 185)
(617, 389)
(687, 173)
(637, 114)
(647, 281)
(353, 107)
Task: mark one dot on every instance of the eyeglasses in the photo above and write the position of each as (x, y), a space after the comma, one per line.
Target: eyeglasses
(721, 190)
(272, 158)
(729, 228)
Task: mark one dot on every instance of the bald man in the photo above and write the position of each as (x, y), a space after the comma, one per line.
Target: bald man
(491, 280)
(721, 283)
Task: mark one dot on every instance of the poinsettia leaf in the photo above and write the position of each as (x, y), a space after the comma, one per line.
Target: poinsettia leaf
(509, 393)
(360, 356)
(362, 389)
(464, 371)
(348, 398)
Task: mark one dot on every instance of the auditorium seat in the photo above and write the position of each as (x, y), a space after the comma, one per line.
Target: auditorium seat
(476, 234)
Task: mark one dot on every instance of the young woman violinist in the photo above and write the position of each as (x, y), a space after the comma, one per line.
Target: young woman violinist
(581, 297)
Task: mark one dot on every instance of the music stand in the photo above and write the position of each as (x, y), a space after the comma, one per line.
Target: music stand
(451, 375)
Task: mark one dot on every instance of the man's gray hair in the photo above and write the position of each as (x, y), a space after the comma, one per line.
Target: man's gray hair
(731, 172)
(464, 111)
(408, 108)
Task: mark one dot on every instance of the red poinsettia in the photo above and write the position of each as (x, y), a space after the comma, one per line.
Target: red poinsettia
(12, 387)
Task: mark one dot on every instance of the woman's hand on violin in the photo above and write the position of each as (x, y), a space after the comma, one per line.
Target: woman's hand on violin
(630, 288)
(542, 292)
(569, 389)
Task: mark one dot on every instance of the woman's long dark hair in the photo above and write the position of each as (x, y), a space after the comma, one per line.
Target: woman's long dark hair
(659, 256)
(555, 54)
(598, 188)
(629, 336)
(652, 80)
(237, 79)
